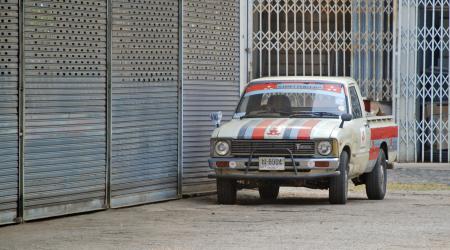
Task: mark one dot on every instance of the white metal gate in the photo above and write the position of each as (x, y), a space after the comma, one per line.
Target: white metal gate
(422, 80)
(372, 47)
(355, 38)
(325, 38)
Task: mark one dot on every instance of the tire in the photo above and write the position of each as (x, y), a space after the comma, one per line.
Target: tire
(226, 191)
(268, 191)
(377, 179)
(338, 190)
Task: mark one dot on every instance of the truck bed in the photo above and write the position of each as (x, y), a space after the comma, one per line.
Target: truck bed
(379, 121)
(383, 130)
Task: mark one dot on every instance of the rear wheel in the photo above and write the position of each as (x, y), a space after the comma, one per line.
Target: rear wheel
(226, 191)
(268, 191)
(338, 190)
(377, 179)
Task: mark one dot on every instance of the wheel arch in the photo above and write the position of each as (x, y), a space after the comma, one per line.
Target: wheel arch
(347, 149)
(384, 147)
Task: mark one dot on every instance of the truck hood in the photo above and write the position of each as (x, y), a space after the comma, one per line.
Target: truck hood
(277, 128)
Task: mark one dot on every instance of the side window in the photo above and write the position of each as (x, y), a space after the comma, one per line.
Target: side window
(356, 106)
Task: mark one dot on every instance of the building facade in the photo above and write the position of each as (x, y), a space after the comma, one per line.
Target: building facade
(105, 103)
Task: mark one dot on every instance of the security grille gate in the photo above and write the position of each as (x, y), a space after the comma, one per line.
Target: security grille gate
(144, 101)
(372, 47)
(422, 79)
(65, 110)
(211, 81)
(8, 110)
(325, 38)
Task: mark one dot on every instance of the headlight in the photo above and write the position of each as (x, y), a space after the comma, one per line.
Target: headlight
(324, 148)
(222, 148)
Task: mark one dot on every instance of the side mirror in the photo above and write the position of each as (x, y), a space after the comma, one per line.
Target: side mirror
(216, 118)
(345, 118)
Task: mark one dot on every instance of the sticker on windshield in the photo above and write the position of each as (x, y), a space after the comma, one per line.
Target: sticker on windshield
(327, 87)
(259, 87)
(341, 108)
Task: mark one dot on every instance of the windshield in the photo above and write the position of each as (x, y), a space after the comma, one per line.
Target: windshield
(293, 100)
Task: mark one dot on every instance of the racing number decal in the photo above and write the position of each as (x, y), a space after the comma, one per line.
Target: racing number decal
(363, 137)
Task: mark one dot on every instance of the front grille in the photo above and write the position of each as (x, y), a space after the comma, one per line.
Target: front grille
(273, 147)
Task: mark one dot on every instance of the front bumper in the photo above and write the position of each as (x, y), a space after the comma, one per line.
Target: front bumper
(266, 176)
(246, 169)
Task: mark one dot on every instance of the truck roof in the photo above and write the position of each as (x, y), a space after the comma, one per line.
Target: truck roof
(320, 79)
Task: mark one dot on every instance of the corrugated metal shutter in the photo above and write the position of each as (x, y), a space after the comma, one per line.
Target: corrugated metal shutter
(211, 81)
(144, 101)
(65, 93)
(9, 43)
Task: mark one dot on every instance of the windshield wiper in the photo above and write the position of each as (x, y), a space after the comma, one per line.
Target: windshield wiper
(270, 113)
(301, 115)
(320, 114)
(248, 116)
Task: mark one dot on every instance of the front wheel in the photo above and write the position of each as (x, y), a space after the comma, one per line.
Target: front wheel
(226, 191)
(338, 190)
(376, 180)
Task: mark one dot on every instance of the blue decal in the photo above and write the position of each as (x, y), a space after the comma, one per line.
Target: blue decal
(247, 128)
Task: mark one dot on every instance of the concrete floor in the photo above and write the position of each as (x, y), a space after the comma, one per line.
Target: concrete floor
(412, 216)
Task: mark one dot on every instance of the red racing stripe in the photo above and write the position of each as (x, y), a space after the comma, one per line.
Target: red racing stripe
(384, 133)
(260, 129)
(305, 131)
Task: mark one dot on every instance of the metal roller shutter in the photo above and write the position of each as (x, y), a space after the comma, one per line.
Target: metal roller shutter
(211, 81)
(9, 44)
(144, 101)
(65, 94)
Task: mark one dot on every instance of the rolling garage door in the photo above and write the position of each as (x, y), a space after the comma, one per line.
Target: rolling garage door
(9, 43)
(211, 81)
(144, 160)
(65, 92)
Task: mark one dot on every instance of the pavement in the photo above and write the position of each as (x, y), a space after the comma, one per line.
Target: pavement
(414, 215)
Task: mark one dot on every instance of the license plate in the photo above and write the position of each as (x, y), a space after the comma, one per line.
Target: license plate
(271, 163)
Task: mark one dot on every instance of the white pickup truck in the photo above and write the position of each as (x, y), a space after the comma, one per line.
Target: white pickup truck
(303, 132)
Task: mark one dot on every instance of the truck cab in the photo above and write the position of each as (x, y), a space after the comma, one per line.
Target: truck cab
(303, 132)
